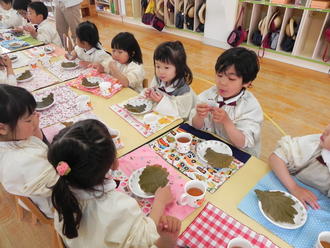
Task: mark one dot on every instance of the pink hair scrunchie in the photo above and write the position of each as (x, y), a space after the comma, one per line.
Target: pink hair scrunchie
(63, 168)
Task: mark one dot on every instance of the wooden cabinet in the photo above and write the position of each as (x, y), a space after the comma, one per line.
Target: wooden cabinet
(309, 41)
(309, 45)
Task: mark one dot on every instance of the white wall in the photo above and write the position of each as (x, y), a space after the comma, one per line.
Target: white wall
(220, 21)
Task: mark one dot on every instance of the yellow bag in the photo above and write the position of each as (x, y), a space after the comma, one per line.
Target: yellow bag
(151, 7)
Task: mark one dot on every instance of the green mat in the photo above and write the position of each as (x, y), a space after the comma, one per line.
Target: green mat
(29, 39)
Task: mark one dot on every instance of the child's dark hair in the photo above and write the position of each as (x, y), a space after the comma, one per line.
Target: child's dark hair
(172, 52)
(15, 102)
(7, 1)
(21, 4)
(88, 149)
(127, 42)
(40, 8)
(87, 31)
(245, 61)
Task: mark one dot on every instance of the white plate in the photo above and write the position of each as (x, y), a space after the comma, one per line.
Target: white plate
(150, 118)
(133, 184)
(70, 68)
(215, 145)
(299, 219)
(139, 102)
(16, 44)
(13, 55)
(93, 80)
(24, 80)
(46, 107)
(48, 49)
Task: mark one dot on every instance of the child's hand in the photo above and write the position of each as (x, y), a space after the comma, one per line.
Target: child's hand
(31, 30)
(147, 92)
(220, 116)
(305, 196)
(112, 66)
(164, 195)
(70, 56)
(168, 229)
(84, 64)
(202, 110)
(155, 95)
(98, 67)
(169, 224)
(6, 61)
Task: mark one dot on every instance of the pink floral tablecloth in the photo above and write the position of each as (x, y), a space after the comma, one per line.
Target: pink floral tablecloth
(114, 88)
(142, 157)
(66, 74)
(40, 79)
(65, 107)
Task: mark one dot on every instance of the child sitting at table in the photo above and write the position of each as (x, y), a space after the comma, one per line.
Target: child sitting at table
(21, 8)
(126, 62)
(170, 88)
(89, 211)
(9, 17)
(7, 75)
(24, 169)
(229, 109)
(308, 158)
(88, 48)
(43, 29)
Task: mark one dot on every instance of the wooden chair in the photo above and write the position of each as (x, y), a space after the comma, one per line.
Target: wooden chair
(145, 83)
(37, 215)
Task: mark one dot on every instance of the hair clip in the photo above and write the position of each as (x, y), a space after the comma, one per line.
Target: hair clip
(63, 168)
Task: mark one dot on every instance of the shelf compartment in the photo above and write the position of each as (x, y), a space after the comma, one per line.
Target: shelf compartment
(258, 12)
(310, 32)
(322, 43)
(296, 14)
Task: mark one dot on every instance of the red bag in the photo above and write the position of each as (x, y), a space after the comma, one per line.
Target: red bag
(238, 35)
(157, 23)
(147, 18)
(327, 40)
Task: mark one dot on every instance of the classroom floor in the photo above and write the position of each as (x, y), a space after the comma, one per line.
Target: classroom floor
(295, 99)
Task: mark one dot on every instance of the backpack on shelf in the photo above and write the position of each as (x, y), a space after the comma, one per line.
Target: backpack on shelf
(189, 16)
(179, 17)
(238, 35)
(325, 57)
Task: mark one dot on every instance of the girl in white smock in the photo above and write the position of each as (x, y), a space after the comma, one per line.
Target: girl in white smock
(89, 211)
(170, 89)
(24, 168)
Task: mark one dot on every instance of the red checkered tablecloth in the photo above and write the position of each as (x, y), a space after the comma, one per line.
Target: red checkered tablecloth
(214, 228)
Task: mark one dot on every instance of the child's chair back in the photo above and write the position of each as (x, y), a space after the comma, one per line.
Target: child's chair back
(37, 215)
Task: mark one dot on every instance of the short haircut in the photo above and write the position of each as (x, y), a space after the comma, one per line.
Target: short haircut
(21, 4)
(173, 52)
(40, 9)
(127, 42)
(7, 1)
(15, 102)
(87, 31)
(245, 61)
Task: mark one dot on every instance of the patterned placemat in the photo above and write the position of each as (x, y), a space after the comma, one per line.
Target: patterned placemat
(145, 204)
(144, 156)
(65, 74)
(30, 40)
(189, 164)
(65, 107)
(7, 44)
(115, 86)
(303, 237)
(137, 120)
(40, 79)
(36, 51)
(214, 228)
(22, 59)
(52, 130)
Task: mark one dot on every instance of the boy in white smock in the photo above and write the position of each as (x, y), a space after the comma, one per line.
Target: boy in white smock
(228, 109)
